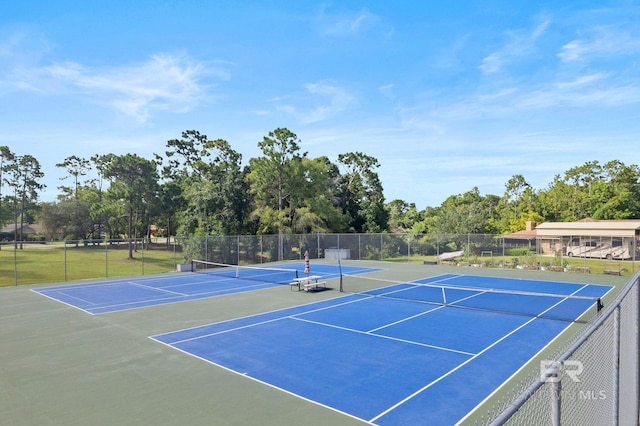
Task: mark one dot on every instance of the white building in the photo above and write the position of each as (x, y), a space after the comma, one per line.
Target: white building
(604, 239)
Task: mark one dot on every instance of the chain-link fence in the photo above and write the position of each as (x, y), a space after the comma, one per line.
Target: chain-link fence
(31, 262)
(593, 380)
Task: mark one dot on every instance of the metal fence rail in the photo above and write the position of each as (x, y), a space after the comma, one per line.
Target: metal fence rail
(594, 381)
(70, 260)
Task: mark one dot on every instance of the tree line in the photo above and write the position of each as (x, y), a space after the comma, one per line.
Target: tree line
(198, 186)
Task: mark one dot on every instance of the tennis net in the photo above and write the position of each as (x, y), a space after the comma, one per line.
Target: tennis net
(563, 307)
(253, 273)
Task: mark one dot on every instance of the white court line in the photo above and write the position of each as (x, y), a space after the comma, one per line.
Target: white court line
(204, 336)
(162, 289)
(188, 297)
(411, 342)
(419, 391)
(284, 316)
(270, 385)
(63, 302)
(296, 317)
(97, 305)
(70, 296)
(438, 304)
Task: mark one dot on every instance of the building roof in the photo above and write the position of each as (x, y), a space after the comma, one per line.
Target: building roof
(584, 227)
(527, 234)
(608, 228)
(27, 228)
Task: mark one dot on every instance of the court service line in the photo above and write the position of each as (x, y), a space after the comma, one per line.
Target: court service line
(200, 282)
(286, 316)
(145, 303)
(70, 296)
(162, 289)
(373, 330)
(234, 289)
(438, 304)
(411, 342)
(177, 298)
(427, 386)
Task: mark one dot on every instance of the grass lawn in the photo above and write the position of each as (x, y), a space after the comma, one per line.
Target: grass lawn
(48, 263)
(569, 264)
(57, 262)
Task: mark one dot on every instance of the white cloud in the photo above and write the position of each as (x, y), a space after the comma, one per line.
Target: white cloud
(493, 62)
(387, 90)
(319, 101)
(602, 41)
(519, 44)
(540, 29)
(349, 24)
(580, 96)
(346, 24)
(20, 53)
(164, 82)
(597, 91)
(172, 82)
(582, 81)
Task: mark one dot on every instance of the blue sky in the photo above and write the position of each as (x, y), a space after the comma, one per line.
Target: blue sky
(447, 95)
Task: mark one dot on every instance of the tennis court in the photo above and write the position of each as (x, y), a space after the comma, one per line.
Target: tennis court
(210, 281)
(428, 351)
(362, 356)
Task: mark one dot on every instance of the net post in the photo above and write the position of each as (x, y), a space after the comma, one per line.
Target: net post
(340, 272)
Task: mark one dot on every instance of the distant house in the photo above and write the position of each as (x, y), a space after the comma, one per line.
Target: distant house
(605, 239)
(527, 237)
(27, 229)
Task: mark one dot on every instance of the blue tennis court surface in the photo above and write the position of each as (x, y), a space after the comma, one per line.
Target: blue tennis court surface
(391, 361)
(117, 295)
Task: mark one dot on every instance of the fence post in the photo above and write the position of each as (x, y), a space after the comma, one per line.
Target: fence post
(556, 399)
(636, 351)
(555, 379)
(65, 261)
(616, 366)
(106, 258)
